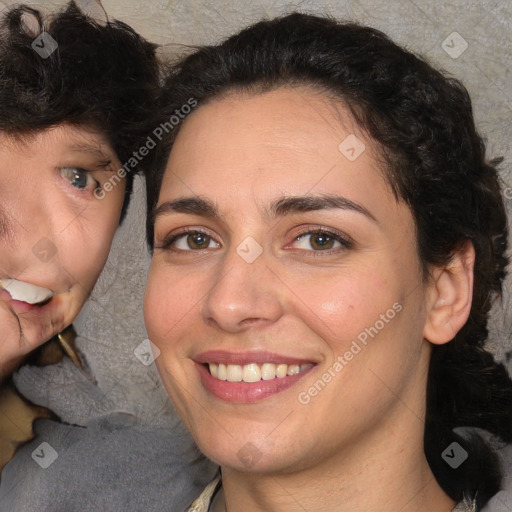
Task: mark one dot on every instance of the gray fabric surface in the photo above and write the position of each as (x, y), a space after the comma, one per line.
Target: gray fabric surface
(502, 502)
(113, 464)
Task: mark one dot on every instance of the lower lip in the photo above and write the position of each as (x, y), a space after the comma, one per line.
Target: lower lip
(247, 392)
(24, 307)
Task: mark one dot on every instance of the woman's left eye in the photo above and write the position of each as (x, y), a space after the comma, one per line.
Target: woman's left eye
(319, 241)
(79, 178)
(193, 241)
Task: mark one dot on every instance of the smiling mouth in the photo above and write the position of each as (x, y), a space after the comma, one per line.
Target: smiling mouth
(255, 372)
(26, 292)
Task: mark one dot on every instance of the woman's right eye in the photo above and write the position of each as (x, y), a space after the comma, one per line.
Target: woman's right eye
(79, 178)
(191, 241)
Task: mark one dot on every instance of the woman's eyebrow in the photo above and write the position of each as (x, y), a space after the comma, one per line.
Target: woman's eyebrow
(190, 205)
(293, 204)
(278, 208)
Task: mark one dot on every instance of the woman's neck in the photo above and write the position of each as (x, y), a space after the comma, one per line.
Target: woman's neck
(253, 493)
(382, 473)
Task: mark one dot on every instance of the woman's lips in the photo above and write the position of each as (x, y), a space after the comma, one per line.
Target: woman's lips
(237, 380)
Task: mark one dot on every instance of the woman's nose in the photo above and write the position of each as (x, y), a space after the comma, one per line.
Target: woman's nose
(247, 293)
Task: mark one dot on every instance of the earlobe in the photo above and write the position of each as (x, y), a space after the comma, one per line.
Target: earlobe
(450, 296)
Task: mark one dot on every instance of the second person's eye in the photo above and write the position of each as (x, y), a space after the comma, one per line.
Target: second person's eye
(79, 178)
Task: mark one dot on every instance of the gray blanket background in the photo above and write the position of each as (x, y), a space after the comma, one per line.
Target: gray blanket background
(127, 406)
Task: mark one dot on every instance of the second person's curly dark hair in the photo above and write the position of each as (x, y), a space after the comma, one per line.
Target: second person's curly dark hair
(104, 77)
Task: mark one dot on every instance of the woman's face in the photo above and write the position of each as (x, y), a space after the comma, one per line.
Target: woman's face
(285, 292)
(55, 232)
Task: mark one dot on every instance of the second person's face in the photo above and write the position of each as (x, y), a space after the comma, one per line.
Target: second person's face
(55, 231)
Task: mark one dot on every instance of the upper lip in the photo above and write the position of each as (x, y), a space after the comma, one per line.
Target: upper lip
(243, 358)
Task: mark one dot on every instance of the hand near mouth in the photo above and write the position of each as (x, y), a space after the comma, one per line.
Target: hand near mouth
(12, 349)
(14, 343)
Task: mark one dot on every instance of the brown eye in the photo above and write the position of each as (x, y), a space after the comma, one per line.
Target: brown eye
(321, 241)
(191, 241)
(197, 241)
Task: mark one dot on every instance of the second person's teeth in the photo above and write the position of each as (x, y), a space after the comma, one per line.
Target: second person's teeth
(25, 292)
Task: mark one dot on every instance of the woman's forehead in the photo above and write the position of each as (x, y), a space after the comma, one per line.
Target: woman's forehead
(287, 139)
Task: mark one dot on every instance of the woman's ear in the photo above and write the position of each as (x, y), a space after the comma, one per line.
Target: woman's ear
(449, 298)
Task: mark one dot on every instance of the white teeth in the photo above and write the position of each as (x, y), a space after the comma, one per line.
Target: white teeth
(268, 371)
(293, 369)
(214, 370)
(281, 370)
(234, 372)
(251, 373)
(222, 372)
(25, 292)
(254, 372)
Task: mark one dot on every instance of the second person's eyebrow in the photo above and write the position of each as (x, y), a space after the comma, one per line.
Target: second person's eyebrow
(279, 207)
(104, 158)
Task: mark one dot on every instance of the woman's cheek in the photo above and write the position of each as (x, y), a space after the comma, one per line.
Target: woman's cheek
(344, 305)
(165, 301)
